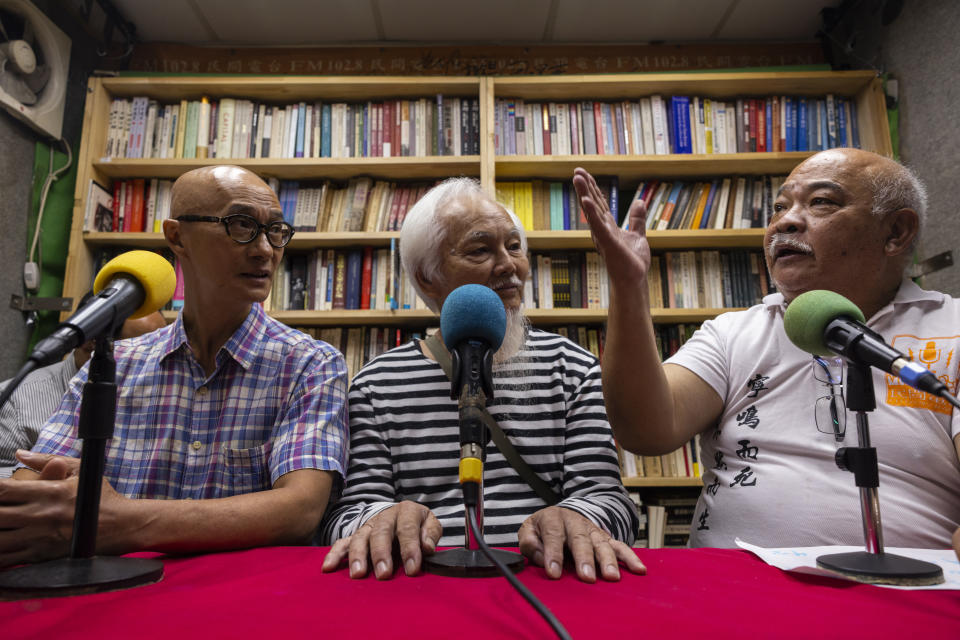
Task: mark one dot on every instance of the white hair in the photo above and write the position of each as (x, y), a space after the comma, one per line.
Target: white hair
(424, 231)
(899, 188)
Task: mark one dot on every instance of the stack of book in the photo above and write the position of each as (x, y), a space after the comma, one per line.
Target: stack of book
(591, 338)
(329, 279)
(741, 202)
(359, 345)
(669, 516)
(552, 205)
(659, 125)
(568, 280)
(136, 204)
(140, 127)
(361, 204)
(706, 279)
(680, 463)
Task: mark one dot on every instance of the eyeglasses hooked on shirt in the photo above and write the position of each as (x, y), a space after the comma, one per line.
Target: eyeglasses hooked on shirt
(244, 229)
(830, 411)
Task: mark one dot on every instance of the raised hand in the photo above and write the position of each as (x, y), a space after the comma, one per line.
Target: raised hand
(626, 253)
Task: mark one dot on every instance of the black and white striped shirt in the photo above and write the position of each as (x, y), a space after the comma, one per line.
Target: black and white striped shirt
(29, 408)
(404, 443)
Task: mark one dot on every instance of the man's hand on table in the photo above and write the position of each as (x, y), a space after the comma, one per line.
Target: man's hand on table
(413, 526)
(36, 513)
(544, 535)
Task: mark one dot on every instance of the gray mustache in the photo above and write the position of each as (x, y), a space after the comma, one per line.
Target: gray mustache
(511, 281)
(784, 241)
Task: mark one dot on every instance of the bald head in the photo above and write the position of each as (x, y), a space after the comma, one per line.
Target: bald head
(892, 186)
(139, 326)
(208, 189)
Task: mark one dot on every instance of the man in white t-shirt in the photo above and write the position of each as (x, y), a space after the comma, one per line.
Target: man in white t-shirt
(845, 220)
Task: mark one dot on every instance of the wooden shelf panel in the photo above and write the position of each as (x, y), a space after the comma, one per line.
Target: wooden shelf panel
(124, 239)
(354, 317)
(281, 89)
(538, 240)
(415, 317)
(420, 169)
(632, 169)
(589, 316)
(711, 85)
(659, 240)
(662, 482)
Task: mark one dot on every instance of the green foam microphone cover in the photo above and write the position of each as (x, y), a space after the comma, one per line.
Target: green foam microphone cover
(809, 314)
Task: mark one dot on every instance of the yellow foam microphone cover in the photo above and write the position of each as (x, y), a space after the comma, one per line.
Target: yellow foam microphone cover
(151, 270)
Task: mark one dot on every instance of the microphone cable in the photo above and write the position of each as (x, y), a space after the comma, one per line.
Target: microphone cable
(952, 399)
(541, 608)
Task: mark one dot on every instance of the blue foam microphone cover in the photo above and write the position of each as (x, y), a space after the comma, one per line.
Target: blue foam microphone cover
(808, 315)
(473, 311)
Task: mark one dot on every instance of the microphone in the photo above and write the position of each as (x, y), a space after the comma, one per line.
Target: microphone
(472, 323)
(132, 285)
(824, 322)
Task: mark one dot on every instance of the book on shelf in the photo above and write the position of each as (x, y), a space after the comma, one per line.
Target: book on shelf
(242, 128)
(353, 278)
(98, 215)
(357, 205)
(679, 124)
(656, 516)
(136, 204)
(679, 463)
(674, 510)
(360, 345)
(732, 202)
(703, 279)
(551, 205)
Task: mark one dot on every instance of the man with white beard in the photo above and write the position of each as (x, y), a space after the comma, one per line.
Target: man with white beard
(402, 485)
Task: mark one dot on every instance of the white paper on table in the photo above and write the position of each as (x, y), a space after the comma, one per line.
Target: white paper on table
(804, 560)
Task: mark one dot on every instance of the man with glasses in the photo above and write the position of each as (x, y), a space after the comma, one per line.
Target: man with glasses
(769, 416)
(231, 427)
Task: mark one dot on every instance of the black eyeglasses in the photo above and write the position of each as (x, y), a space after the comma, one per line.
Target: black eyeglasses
(244, 229)
(830, 411)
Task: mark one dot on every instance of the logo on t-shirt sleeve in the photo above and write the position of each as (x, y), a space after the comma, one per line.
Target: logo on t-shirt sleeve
(939, 355)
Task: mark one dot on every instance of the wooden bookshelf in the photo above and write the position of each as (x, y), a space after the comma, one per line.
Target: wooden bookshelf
(420, 317)
(643, 483)
(627, 168)
(538, 240)
(399, 168)
(861, 87)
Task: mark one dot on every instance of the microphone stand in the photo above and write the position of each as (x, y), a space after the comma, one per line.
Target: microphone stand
(871, 565)
(471, 561)
(83, 572)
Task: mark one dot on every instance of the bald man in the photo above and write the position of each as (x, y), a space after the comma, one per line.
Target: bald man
(39, 395)
(231, 427)
(845, 220)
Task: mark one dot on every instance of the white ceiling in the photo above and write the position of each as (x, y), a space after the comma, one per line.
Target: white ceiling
(327, 22)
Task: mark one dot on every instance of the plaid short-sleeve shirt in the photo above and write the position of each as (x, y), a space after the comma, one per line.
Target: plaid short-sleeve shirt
(275, 403)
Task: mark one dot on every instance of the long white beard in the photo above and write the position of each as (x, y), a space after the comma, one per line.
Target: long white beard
(514, 338)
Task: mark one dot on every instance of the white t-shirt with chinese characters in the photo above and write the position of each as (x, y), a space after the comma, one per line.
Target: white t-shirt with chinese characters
(770, 477)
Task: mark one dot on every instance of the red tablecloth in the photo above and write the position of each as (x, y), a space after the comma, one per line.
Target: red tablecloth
(688, 593)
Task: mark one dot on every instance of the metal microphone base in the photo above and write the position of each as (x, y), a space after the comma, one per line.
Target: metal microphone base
(470, 563)
(882, 568)
(77, 576)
